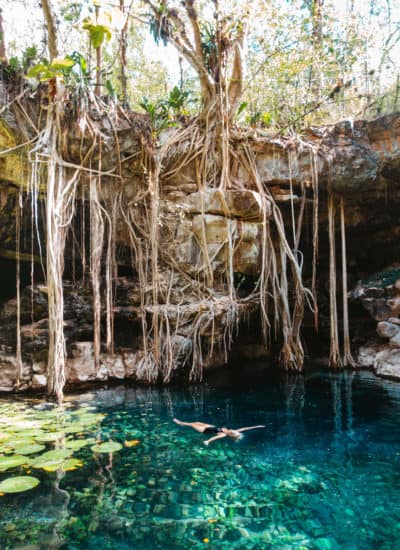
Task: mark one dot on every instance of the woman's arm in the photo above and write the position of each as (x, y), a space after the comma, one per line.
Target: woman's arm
(219, 436)
(251, 428)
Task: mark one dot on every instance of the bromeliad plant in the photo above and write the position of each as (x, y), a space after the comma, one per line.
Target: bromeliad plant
(164, 112)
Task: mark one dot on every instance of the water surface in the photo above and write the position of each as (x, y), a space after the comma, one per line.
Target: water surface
(324, 474)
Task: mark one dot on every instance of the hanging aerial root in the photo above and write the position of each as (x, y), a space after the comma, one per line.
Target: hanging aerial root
(274, 278)
(59, 212)
(348, 360)
(335, 360)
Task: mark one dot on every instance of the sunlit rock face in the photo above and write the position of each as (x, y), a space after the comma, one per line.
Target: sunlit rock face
(215, 230)
(208, 233)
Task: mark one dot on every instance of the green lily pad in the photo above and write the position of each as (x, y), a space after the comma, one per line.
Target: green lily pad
(76, 444)
(108, 447)
(71, 464)
(29, 448)
(65, 465)
(75, 428)
(16, 441)
(26, 434)
(51, 436)
(18, 484)
(12, 461)
(4, 437)
(52, 459)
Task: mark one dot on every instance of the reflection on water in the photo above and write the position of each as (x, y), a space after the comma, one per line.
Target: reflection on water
(323, 475)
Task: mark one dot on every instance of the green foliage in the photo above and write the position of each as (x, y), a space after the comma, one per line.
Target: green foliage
(159, 25)
(164, 111)
(58, 68)
(259, 118)
(177, 100)
(110, 89)
(29, 56)
(72, 12)
(18, 484)
(97, 33)
(14, 63)
(242, 107)
(156, 112)
(209, 45)
(79, 62)
(72, 68)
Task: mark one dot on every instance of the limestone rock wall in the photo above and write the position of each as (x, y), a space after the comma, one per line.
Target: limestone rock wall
(381, 297)
(205, 233)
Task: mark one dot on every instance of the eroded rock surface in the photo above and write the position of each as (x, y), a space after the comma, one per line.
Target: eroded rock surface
(204, 234)
(381, 298)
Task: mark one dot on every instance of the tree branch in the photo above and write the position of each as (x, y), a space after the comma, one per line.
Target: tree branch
(179, 38)
(192, 15)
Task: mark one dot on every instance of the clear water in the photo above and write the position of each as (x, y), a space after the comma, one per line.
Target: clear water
(325, 474)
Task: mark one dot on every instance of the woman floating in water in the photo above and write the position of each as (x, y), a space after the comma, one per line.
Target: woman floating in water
(220, 432)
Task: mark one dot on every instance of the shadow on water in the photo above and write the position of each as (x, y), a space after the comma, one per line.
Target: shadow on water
(324, 473)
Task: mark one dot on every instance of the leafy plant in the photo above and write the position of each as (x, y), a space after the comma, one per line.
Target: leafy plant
(209, 46)
(110, 89)
(157, 113)
(97, 32)
(177, 99)
(72, 11)
(46, 71)
(61, 68)
(262, 118)
(159, 25)
(164, 111)
(28, 56)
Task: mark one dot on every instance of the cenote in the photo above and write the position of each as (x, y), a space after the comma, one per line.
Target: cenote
(324, 473)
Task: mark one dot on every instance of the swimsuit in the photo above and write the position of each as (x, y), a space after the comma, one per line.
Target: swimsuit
(212, 430)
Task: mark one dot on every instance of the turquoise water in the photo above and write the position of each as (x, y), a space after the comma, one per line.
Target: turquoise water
(324, 474)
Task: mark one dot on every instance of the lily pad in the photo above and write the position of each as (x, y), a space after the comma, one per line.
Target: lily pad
(74, 428)
(50, 436)
(76, 444)
(12, 461)
(17, 441)
(52, 459)
(108, 447)
(27, 434)
(71, 464)
(29, 448)
(65, 465)
(18, 484)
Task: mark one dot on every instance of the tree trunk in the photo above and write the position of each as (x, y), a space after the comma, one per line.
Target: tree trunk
(3, 55)
(97, 89)
(51, 29)
(123, 48)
